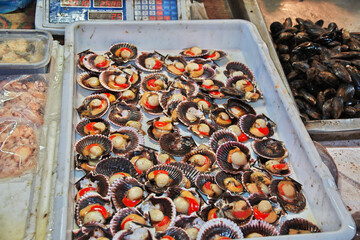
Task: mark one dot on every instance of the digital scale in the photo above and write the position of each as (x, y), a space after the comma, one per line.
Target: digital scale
(55, 15)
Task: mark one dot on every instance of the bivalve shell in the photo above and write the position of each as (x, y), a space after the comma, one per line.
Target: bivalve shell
(89, 62)
(175, 233)
(207, 185)
(215, 55)
(194, 52)
(159, 184)
(150, 62)
(187, 201)
(121, 113)
(115, 80)
(150, 103)
(94, 106)
(220, 137)
(80, 57)
(258, 228)
(189, 113)
(238, 69)
(113, 165)
(221, 118)
(175, 65)
(155, 82)
(270, 149)
(277, 168)
(201, 159)
(257, 181)
(91, 127)
(120, 193)
(117, 220)
(265, 209)
(219, 227)
(248, 124)
(158, 128)
(204, 129)
(299, 225)
(233, 157)
(92, 229)
(176, 145)
(141, 233)
(237, 108)
(97, 181)
(90, 81)
(188, 170)
(125, 140)
(133, 72)
(86, 147)
(229, 182)
(123, 52)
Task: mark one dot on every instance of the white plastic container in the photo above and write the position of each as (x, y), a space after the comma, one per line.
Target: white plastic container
(239, 38)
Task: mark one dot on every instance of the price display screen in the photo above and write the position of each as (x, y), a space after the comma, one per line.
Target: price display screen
(106, 15)
(108, 3)
(75, 3)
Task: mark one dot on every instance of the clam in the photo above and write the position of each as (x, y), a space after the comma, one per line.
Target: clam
(238, 69)
(125, 139)
(219, 228)
(175, 65)
(96, 63)
(93, 208)
(123, 52)
(159, 127)
(229, 182)
(94, 106)
(237, 108)
(201, 159)
(150, 62)
(207, 185)
(204, 129)
(92, 230)
(205, 103)
(256, 181)
(92, 183)
(190, 173)
(215, 55)
(161, 177)
(115, 80)
(194, 52)
(116, 167)
(189, 113)
(142, 159)
(160, 211)
(191, 224)
(133, 72)
(259, 229)
(89, 81)
(221, 118)
(91, 127)
(233, 157)
(121, 113)
(265, 208)
(270, 149)
(150, 102)
(257, 127)
(173, 233)
(127, 219)
(220, 137)
(127, 192)
(176, 145)
(288, 193)
(155, 82)
(241, 137)
(187, 201)
(298, 226)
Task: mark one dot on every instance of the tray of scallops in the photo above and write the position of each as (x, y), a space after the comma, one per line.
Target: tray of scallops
(184, 130)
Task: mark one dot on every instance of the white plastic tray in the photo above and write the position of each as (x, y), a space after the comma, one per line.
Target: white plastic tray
(237, 37)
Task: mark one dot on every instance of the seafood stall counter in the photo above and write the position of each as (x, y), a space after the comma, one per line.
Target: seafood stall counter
(236, 41)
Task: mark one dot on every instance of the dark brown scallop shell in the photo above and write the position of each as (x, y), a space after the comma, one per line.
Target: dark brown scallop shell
(133, 89)
(88, 63)
(214, 114)
(169, 159)
(202, 97)
(85, 110)
(122, 112)
(210, 155)
(220, 227)
(242, 108)
(232, 92)
(299, 224)
(188, 170)
(143, 152)
(81, 80)
(115, 223)
(200, 181)
(203, 53)
(295, 206)
(98, 180)
(232, 67)
(261, 227)
(226, 208)
(216, 87)
(158, 110)
(206, 63)
(195, 128)
(155, 76)
(119, 59)
(140, 231)
(270, 149)
(89, 199)
(182, 111)
(94, 139)
(246, 179)
(168, 96)
(134, 73)
(107, 93)
(140, 62)
(171, 60)
(80, 57)
(151, 128)
(205, 210)
(221, 53)
(120, 188)
(220, 137)
(112, 165)
(136, 139)
(276, 172)
(222, 155)
(175, 174)
(81, 125)
(190, 87)
(189, 222)
(221, 176)
(256, 198)
(249, 95)
(209, 72)
(175, 192)
(176, 145)
(91, 230)
(170, 110)
(105, 76)
(247, 121)
(175, 233)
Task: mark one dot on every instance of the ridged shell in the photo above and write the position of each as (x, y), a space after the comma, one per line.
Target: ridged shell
(200, 97)
(211, 156)
(256, 198)
(130, 69)
(247, 121)
(175, 192)
(81, 125)
(174, 232)
(246, 179)
(112, 165)
(231, 67)
(94, 139)
(298, 223)
(80, 57)
(89, 230)
(221, 136)
(219, 226)
(143, 152)
(107, 93)
(297, 205)
(156, 76)
(184, 108)
(188, 170)
(85, 111)
(203, 53)
(275, 171)
(215, 87)
(176, 176)
(115, 223)
(126, 234)
(195, 129)
(105, 80)
(190, 221)
(161, 160)
(261, 227)
(158, 110)
(122, 112)
(135, 90)
(241, 106)
(221, 176)
(136, 139)
(88, 62)
(170, 61)
(222, 55)
(81, 80)
(167, 96)
(190, 87)
(218, 121)
(206, 63)
(119, 59)
(270, 149)
(176, 145)
(98, 180)
(170, 110)
(152, 127)
(200, 182)
(222, 155)
(140, 62)
(120, 188)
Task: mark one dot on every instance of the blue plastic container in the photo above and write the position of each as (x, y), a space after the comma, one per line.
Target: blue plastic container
(7, 6)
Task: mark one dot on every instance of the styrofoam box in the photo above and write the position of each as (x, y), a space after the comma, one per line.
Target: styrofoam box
(242, 42)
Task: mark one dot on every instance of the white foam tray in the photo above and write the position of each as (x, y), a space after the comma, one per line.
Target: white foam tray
(243, 43)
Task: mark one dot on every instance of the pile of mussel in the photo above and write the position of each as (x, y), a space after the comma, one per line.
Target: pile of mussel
(178, 189)
(322, 67)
